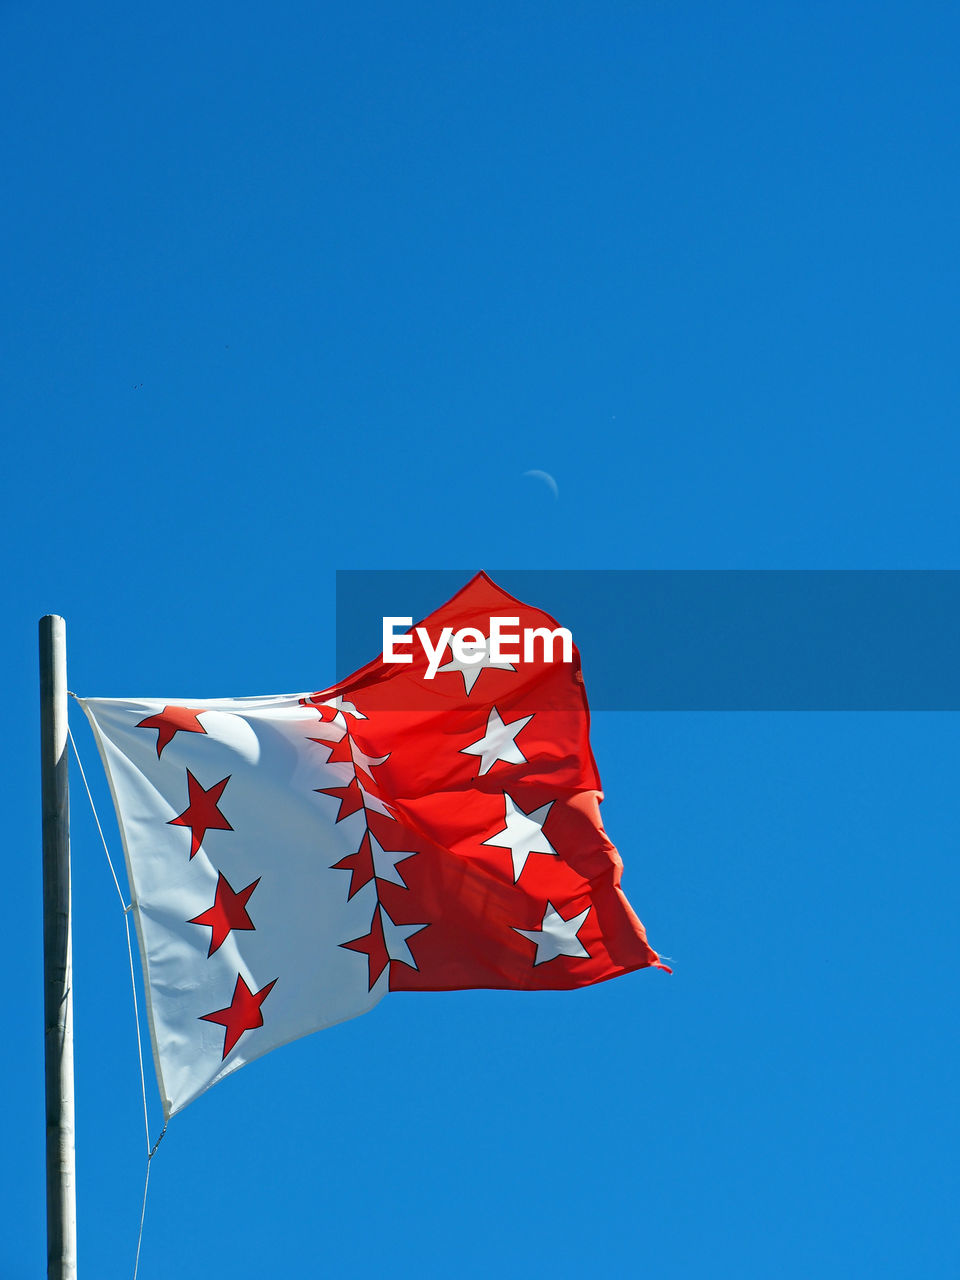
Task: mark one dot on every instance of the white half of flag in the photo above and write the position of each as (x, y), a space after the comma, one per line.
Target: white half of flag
(282, 835)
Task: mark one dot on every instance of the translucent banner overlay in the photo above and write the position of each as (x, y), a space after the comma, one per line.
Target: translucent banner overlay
(712, 640)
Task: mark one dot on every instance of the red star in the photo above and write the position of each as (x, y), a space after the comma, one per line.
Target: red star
(349, 796)
(229, 911)
(173, 720)
(373, 945)
(325, 712)
(241, 1014)
(201, 814)
(339, 751)
(359, 864)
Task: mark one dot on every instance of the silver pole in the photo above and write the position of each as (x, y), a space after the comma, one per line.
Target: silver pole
(57, 958)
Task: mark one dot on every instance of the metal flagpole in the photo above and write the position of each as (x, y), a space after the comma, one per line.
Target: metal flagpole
(57, 961)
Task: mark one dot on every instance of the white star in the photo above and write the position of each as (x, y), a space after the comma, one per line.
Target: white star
(395, 936)
(372, 802)
(342, 705)
(498, 742)
(471, 670)
(385, 862)
(556, 936)
(523, 834)
(363, 761)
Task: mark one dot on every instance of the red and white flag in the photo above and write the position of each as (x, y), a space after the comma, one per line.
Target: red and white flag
(293, 858)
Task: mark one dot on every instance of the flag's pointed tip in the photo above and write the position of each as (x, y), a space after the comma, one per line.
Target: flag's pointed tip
(658, 964)
(481, 576)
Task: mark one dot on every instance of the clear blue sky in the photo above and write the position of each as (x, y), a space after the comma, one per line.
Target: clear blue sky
(303, 287)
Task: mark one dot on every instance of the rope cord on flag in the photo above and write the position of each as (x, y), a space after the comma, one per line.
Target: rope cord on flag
(143, 1207)
(96, 818)
(151, 1150)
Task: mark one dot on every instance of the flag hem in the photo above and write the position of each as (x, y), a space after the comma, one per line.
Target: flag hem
(165, 1102)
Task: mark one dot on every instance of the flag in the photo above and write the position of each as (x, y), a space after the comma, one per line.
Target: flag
(293, 858)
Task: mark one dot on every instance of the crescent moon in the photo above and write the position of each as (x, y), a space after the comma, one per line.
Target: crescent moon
(547, 479)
